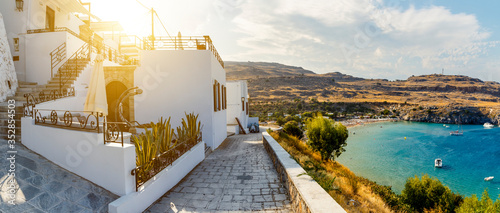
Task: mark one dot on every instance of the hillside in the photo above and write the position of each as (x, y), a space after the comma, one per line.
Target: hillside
(270, 82)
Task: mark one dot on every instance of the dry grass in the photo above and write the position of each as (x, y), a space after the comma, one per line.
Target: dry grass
(349, 190)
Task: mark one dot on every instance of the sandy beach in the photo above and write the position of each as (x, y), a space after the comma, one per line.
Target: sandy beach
(357, 122)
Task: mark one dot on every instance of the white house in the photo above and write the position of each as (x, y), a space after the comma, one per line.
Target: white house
(237, 105)
(177, 76)
(183, 81)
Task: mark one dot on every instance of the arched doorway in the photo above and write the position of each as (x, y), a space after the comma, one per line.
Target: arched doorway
(113, 91)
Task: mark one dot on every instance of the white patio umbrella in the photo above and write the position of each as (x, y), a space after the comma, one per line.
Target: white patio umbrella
(96, 95)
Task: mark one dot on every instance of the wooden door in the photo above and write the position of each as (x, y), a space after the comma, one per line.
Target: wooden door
(50, 19)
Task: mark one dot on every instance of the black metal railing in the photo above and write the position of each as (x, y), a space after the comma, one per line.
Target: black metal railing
(72, 67)
(143, 173)
(56, 57)
(74, 120)
(113, 132)
(183, 43)
(112, 54)
(44, 96)
(131, 41)
(59, 29)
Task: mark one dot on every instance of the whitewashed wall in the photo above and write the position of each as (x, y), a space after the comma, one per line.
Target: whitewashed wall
(85, 154)
(7, 70)
(219, 120)
(175, 82)
(235, 91)
(156, 187)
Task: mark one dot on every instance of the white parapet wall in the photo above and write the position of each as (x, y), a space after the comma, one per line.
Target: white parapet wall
(160, 184)
(306, 194)
(85, 154)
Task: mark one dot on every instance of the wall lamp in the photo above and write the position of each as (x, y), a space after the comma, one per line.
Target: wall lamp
(19, 5)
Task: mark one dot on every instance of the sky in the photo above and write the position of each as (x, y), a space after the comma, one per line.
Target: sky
(388, 39)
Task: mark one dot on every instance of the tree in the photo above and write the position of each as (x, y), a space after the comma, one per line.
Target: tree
(429, 193)
(473, 204)
(292, 128)
(280, 121)
(326, 136)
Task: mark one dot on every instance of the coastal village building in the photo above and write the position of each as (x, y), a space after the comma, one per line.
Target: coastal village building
(53, 46)
(238, 106)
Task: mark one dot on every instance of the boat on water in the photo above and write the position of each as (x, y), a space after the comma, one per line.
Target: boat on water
(438, 163)
(488, 125)
(488, 178)
(456, 133)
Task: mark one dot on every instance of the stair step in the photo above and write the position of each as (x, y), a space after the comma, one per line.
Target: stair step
(30, 90)
(18, 103)
(17, 115)
(5, 122)
(6, 107)
(17, 129)
(22, 83)
(54, 81)
(6, 137)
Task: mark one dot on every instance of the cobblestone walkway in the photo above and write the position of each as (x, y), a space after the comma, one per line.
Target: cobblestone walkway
(238, 176)
(42, 186)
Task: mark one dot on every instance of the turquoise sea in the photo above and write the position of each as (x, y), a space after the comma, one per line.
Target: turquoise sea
(381, 153)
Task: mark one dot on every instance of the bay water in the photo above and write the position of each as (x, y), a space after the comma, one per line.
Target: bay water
(381, 153)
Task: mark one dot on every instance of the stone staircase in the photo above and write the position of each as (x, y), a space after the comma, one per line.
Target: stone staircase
(39, 92)
(24, 88)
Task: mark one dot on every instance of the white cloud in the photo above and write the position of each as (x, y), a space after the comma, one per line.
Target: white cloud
(311, 33)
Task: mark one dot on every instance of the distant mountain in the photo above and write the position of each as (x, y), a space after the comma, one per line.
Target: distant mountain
(274, 81)
(248, 70)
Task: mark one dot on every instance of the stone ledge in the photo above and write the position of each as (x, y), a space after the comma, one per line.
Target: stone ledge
(305, 194)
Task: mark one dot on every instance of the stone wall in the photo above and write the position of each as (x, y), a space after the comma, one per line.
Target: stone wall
(8, 78)
(306, 195)
(125, 75)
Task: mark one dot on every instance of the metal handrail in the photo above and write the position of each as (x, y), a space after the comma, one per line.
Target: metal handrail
(32, 101)
(162, 161)
(82, 53)
(85, 120)
(113, 131)
(58, 29)
(56, 57)
(183, 43)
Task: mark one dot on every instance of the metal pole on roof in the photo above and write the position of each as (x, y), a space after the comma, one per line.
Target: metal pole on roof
(153, 27)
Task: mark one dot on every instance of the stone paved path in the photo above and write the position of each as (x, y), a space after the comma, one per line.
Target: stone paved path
(42, 186)
(238, 176)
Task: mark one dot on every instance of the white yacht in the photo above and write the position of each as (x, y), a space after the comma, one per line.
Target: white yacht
(438, 163)
(488, 125)
(488, 178)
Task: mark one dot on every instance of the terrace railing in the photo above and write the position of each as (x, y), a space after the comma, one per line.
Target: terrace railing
(75, 120)
(89, 121)
(143, 173)
(183, 43)
(59, 29)
(113, 132)
(44, 96)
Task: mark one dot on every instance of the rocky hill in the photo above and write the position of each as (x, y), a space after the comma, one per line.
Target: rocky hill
(441, 94)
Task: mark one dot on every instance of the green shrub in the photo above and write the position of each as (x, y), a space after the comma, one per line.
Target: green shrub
(326, 136)
(190, 128)
(280, 121)
(292, 128)
(429, 193)
(473, 204)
